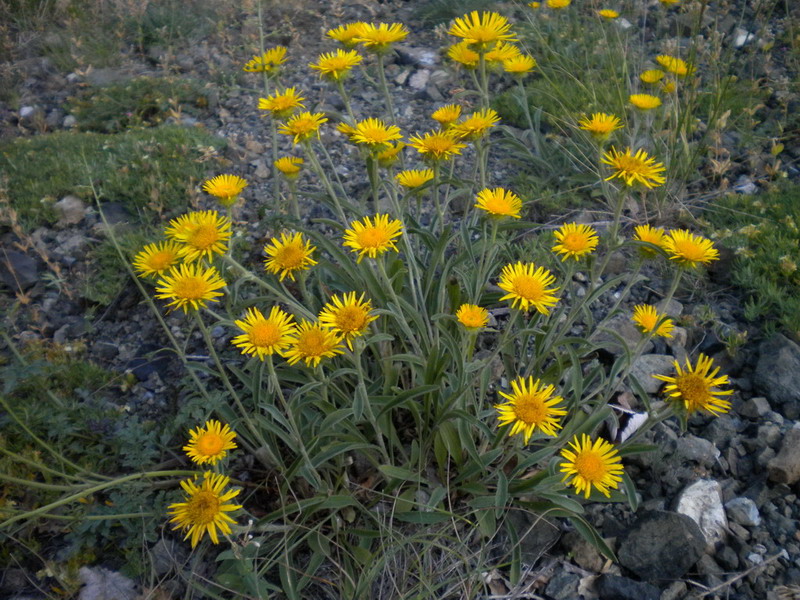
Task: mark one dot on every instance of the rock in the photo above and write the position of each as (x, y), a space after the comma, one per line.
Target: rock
(582, 552)
(419, 57)
(17, 270)
(536, 534)
(71, 211)
(150, 358)
(116, 215)
(419, 80)
(743, 511)
(727, 558)
(661, 545)
(754, 408)
(677, 344)
(785, 467)
(69, 122)
(770, 434)
(744, 185)
(105, 350)
(702, 502)
(695, 449)
(563, 586)
(614, 587)
(623, 327)
(675, 591)
(740, 38)
(777, 374)
(167, 556)
(739, 531)
(648, 365)
(673, 308)
(106, 76)
(102, 584)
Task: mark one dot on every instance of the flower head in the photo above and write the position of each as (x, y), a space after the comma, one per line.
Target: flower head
(312, 343)
(282, 103)
(156, 259)
(414, 178)
(674, 65)
(267, 62)
(290, 166)
(190, 286)
(463, 54)
(644, 101)
(531, 405)
(608, 13)
(649, 321)
(695, 387)
(210, 443)
(526, 286)
(482, 29)
(477, 124)
(502, 51)
(447, 114)
(634, 168)
(651, 235)
(600, 125)
(472, 316)
(348, 316)
(499, 203)
(651, 76)
(669, 2)
(226, 188)
(372, 237)
(591, 464)
(262, 335)
(389, 154)
(379, 38)
(668, 86)
(519, 65)
(558, 3)
(203, 234)
(437, 145)
(346, 34)
(304, 125)
(335, 65)
(689, 250)
(288, 254)
(375, 134)
(205, 508)
(575, 240)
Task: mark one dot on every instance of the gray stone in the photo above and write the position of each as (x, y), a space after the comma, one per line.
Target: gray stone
(419, 80)
(648, 365)
(26, 113)
(727, 558)
(754, 408)
(785, 467)
(742, 37)
(739, 531)
(673, 308)
(105, 76)
(583, 554)
(563, 586)
(623, 327)
(69, 122)
(696, 449)
(702, 502)
(420, 57)
(770, 435)
(675, 591)
(661, 545)
(71, 211)
(777, 374)
(167, 556)
(537, 534)
(744, 185)
(102, 584)
(743, 511)
(614, 587)
(17, 270)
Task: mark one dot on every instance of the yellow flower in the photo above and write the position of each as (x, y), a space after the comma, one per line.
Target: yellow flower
(472, 316)
(346, 129)
(590, 465)
(519, 65)
(447, 114)
(600, 126)
(634, 168)
(379, 38)
(437, 145)
(668, 86)
(674, 65)
(482, 29)
(689, 250)
(209, 444)
(502, 51)
(289, 166)
(558, 3)
(669, 2)
(313, 343)
(651, 235)
(348, 316)
(645, 101)
(531, 404)
(262, 335)
(535, 4)
(390, 154)
(695, 387)
(498, 203)
(414, 178)
(464, 55)
(267, 62)
(335, 65)
(205, 508)
(375, 133)
(526, 286)
(373, 237)
(346, 34)
(156, 259)
(190, 286)
(646, 318)
(203, 234)
(303, 125)
(651, 76)
(608, 13)
(477, 124)
(282, 103)
(288, 254)
(575, 240)
(226, 188)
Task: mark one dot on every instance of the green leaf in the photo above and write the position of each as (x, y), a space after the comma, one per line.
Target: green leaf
(590, 534)
(394, 472)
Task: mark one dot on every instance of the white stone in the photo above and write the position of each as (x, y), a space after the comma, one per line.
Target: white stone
(419, 79)
(742, 37)
(702, 502)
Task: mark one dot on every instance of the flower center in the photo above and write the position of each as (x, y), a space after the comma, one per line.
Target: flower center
(472, 319)
(190, 288)
(589, 465)
(630, 164)
(264, 334)
(202, 508)
(690, 251)
(312, 343)
(372, 237)
(693, 389)
(530, 409)
(210, 444)
(161, 260)
(351, 318)
(203, 236)
(290, 257)
(439, 145)
(528, 287)
(648, 321)
(574, 241)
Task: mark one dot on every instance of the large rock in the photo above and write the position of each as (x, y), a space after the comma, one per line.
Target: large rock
(71, 211)
(662, 545)
(17, 270)
(646, 366)
(702, 502)
(777, 374)
(785, 467)
(614, 587)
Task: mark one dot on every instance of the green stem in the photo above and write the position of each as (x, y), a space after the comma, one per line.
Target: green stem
(362, 389)
(326, 182)
(385, 87)
(346, 99)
